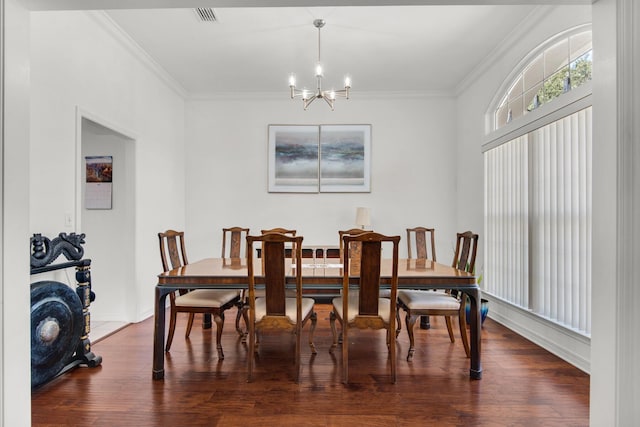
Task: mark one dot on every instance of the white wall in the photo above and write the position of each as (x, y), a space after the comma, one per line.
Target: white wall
(412, 170)
(76, 61)
(473, 103)
(15, 322)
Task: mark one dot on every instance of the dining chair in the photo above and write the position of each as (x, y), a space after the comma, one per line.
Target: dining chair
(355, 247)
(276, 311)
(237, 237)
(360, 305)
(207, 301)
(421, 242)
(289, 253)
(444, 303)
(285, 231)
(417, 242)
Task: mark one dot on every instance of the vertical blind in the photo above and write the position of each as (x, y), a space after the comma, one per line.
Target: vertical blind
(538, 221)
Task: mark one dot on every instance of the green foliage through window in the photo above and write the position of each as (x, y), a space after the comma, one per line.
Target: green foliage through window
(565, 79)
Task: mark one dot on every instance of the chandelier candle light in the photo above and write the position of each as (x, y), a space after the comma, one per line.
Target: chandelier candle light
(309, 96)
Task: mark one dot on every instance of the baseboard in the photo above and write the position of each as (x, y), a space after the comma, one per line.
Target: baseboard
(568, 345)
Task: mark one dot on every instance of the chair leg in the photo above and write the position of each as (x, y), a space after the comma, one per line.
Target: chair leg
(298, 344)
(345, 354)
(463, 333)
(252, 341)
(189, 325)
(219, 319)
(392, 350)
(314, 320)
(410, 321)
(239, 314)
(450, 328)
(172, 330)
(245, 316)
(398, 323)
(332, 322)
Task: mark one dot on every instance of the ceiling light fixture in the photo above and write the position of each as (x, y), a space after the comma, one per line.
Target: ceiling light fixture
(309, 96)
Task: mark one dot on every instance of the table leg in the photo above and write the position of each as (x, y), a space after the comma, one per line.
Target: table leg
(158, 332)
(206, 321)
(424, 322)
(474, 313)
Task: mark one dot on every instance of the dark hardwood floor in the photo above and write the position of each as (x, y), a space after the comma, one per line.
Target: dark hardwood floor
(522, 385)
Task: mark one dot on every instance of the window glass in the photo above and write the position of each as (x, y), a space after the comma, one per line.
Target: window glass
(556, 57)
(515, 108)
(534, 73)
(560, 67)
(516, 90)
(555, 85)
(580, 44)
(581, 69)
(530, 97)
(501, 115)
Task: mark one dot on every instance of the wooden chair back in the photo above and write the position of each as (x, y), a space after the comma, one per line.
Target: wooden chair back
(286, 232)
(367, 271)
(172, 249)
(237, 236)
(465, 255)
(274, 272)
(423, 240)
(280, 230)
(355, 249)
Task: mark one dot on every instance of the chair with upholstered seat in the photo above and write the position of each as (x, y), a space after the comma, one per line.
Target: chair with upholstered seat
(421, 242)
(275, 310)
(426, 303)
(206, 301)
(354, 253)
(360, 305)
(237, 237)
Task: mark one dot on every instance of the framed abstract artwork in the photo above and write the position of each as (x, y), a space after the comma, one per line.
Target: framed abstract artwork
(293, 159)
(319, 158)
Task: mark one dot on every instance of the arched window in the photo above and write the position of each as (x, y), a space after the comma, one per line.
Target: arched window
(537, 184)
(558, 66)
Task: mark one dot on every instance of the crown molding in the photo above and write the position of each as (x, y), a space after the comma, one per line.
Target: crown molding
(284, 95)
(109, 25)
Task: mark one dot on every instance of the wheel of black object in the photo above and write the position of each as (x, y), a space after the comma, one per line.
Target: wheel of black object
(56, 328)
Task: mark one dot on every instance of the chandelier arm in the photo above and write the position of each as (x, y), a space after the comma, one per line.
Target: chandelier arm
(308, 102)
(343, 93)
(329, 101)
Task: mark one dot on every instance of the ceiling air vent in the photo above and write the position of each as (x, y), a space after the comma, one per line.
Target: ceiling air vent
(205, 14)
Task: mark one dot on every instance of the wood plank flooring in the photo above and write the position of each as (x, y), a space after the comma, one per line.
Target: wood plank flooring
(522, 385)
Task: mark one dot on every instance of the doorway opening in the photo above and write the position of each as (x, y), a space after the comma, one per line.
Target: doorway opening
(109, 227)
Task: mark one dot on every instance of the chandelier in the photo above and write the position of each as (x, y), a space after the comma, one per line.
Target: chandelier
(309, 96)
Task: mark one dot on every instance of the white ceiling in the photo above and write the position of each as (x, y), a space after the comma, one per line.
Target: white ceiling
(383, 48)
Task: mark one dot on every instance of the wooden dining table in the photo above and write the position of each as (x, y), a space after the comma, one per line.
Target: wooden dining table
(225, 273)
